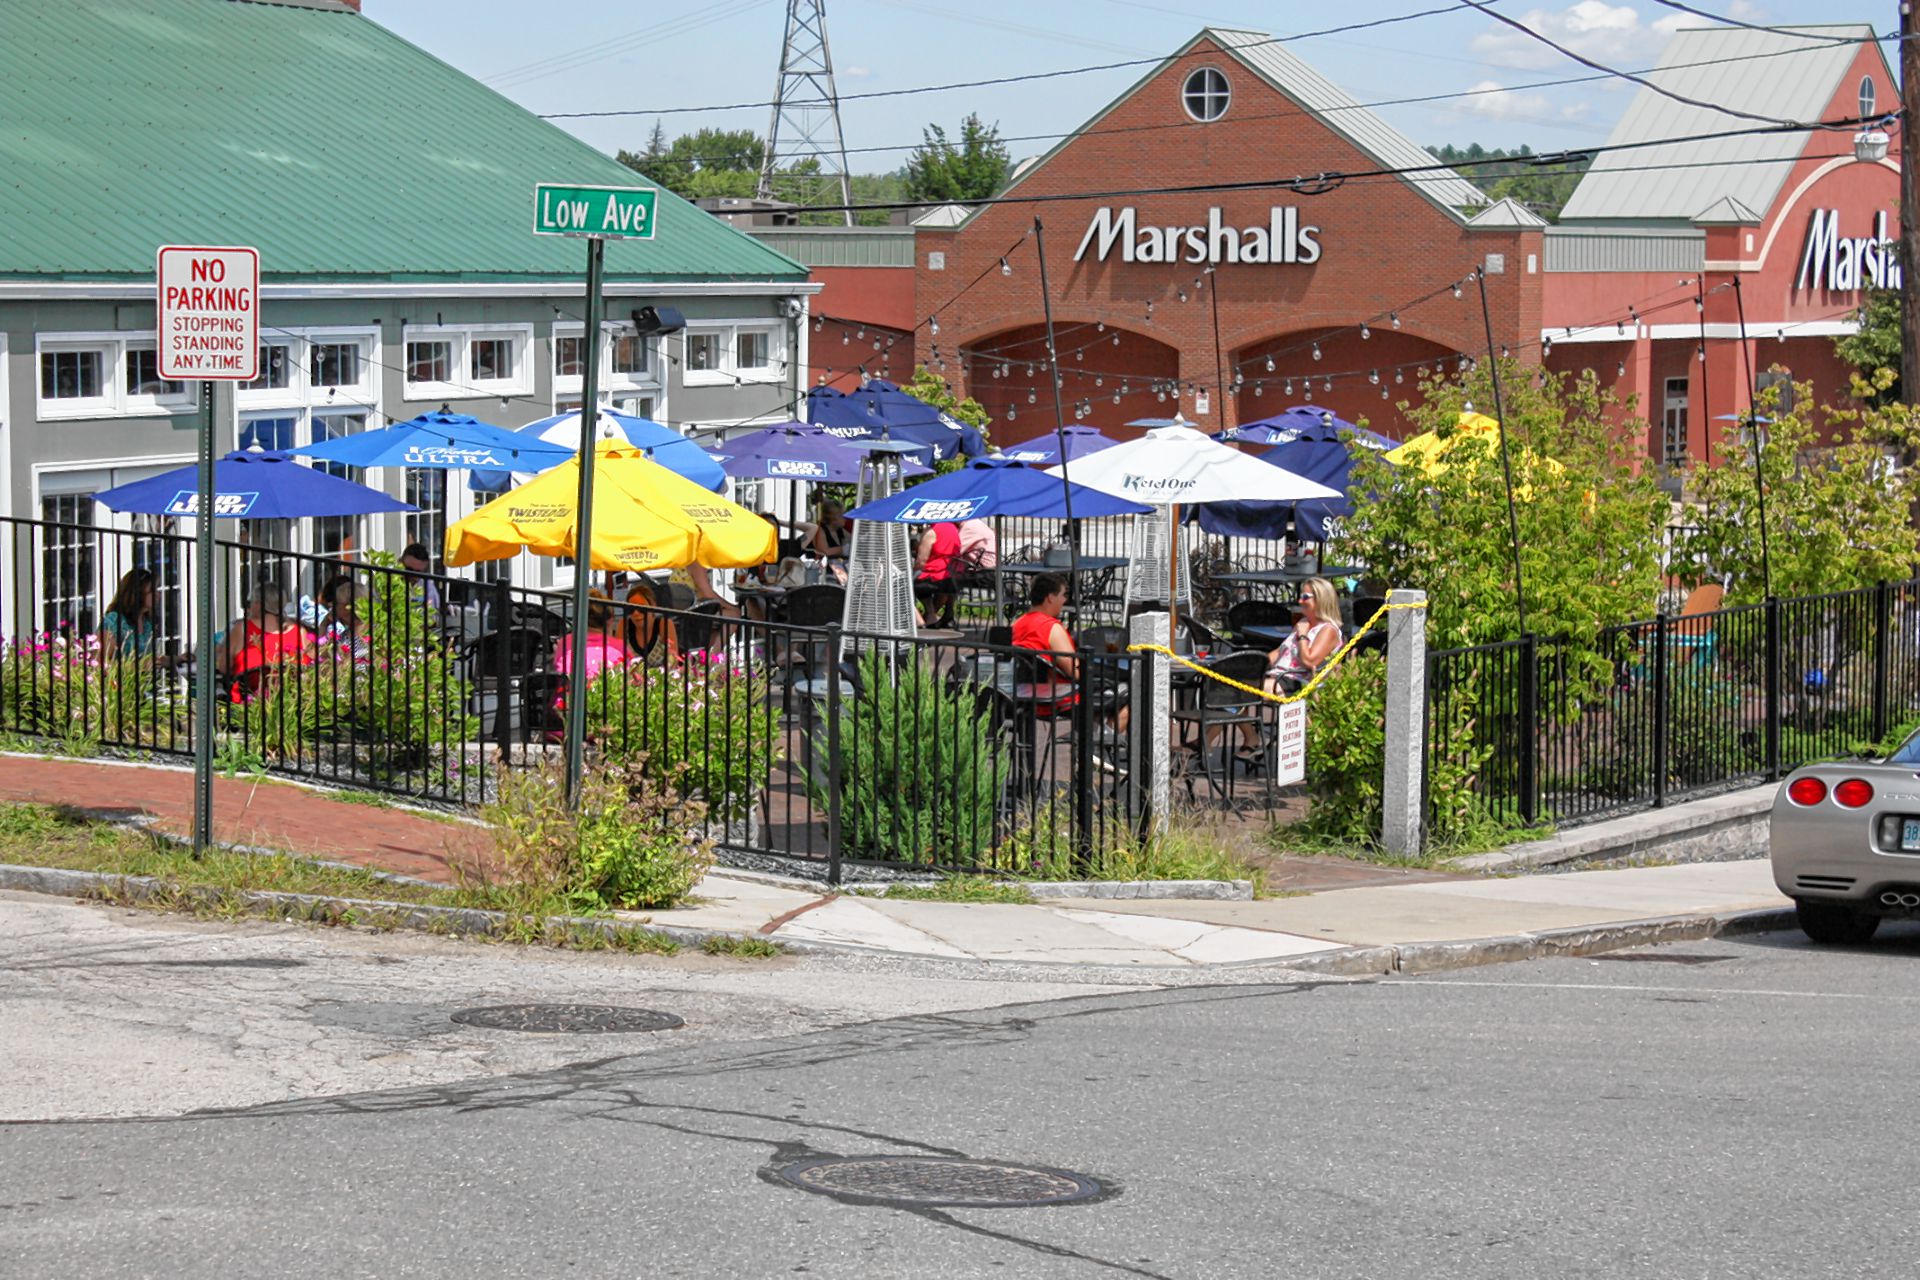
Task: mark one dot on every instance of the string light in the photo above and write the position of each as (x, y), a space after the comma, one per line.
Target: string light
(1365, 333)
(1456, 289)
(1373, 376)
(1399, 376)
(933, 326)
(1288, 389)
(1183, 295)
(819, 324)
(1006, 268)
(1395, 317)
(1316, 351)
(1326, 384)
(1621, 370)
(1269, 364)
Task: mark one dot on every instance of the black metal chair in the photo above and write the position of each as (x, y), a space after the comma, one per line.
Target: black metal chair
(540, 711)
(674, 595)
(1365, 607)
(1211, 727)
(1256, 613)
(699, 626)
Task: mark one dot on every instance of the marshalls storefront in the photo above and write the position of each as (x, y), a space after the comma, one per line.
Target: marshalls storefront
(399, 268)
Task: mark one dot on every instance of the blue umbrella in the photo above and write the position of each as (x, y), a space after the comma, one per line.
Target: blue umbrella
(1044, 449)
(447, 441)
(797, 451)
(913, 420)
(1314, 448)
(989, 487)
(841, 415)
(663, 444)
(1303, 422)
(255, 484)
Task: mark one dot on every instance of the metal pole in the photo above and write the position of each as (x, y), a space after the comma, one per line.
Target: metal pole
(583, 525)
(1506, 457)
(1753, 428)
(1219, 357)
(1909, 195)
(1059, 421)
(203, 644)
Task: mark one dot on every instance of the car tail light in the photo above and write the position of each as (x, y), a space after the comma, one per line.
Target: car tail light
(1854, 793)
(1806, 791)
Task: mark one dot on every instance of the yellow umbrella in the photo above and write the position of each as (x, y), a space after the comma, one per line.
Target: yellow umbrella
(644, 517)
(1428, 451)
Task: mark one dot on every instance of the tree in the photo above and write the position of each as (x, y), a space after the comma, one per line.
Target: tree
(1519, 175)
(974, 169)
(1875, 347)
(1837, 509)
(707, 162)
(930, 388)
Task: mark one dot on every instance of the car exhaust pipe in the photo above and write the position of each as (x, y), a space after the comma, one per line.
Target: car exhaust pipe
(1900, 901)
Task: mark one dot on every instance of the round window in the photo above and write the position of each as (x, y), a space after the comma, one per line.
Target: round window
(1205, 94)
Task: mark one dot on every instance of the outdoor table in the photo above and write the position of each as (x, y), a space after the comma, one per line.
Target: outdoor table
(1274, 634)
(1285, 577)
(1088, 564)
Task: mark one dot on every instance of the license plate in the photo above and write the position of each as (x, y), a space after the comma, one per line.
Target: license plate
(1910, 834)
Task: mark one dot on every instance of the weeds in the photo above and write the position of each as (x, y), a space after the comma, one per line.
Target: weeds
(961, 889)
(740, 948)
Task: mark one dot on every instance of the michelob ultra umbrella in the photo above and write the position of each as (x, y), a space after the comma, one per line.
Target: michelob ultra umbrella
(443, 441)
(644, 517)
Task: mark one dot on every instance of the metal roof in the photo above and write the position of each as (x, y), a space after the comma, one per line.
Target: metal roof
(1789, 74)
(1339, 112)
(338, 149)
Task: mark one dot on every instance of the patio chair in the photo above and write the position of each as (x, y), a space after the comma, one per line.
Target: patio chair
(674, 595)
(1212, 726)
(1365, 607)
(1256, 613)
(541, 713)
(1692, 631)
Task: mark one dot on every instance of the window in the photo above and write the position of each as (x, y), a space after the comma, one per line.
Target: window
(334, 364)
(429, 362)
(740, 351)
(1206, 95)
(1867, 96)
(335, 536)
(143, 375)
(569, 357)
(78, 374)
(276, 369)
(704, 351)
(632, 356)
(752, 349)
(1674, 421)
(628, 364)
(427, 490)
(68, 560)
(491, 359)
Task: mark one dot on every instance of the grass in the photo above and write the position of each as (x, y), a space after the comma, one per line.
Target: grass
(215, 887)
(1482, 837)
(721, 944)
(961, 889)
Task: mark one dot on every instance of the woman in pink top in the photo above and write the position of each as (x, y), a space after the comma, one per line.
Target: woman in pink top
(605, 647)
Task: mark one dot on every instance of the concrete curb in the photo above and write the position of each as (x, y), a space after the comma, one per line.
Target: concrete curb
(1184, 890)
(1707, 830)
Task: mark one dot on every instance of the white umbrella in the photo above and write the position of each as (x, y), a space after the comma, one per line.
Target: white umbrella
(1175, 465)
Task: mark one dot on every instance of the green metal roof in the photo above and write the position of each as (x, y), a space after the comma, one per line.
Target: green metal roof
(336, 148)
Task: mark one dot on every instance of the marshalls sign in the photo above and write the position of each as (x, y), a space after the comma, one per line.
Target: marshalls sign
(208, 318)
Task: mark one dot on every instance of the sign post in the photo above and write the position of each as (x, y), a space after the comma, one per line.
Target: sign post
(207, 328)
(596, 214)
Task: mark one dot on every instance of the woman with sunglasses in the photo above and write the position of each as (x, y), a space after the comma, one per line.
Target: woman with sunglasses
(1316, 636)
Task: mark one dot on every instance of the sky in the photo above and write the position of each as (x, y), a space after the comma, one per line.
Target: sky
(610, 55)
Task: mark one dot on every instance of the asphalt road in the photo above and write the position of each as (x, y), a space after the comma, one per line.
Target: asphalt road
(1708, 1109)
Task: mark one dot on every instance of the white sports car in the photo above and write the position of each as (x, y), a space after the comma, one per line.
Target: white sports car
(1846, 844)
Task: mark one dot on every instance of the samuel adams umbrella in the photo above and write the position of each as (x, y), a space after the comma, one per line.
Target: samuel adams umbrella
(253, 485)
(914, 421)
(663, 444)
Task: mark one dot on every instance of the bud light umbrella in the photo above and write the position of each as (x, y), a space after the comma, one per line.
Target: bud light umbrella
(797, 451)
(254, 484)
(663, 444)
(994, 486)
(442, 440)
(1044, 449)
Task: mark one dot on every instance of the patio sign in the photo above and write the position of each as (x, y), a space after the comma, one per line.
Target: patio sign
(613, 213)
(208, 312)
(1290, 745)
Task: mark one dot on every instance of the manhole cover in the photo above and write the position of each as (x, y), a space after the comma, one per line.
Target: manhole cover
(567, 1018)
(938, 1181)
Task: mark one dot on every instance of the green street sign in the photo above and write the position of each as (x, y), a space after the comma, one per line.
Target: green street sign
(613, 213)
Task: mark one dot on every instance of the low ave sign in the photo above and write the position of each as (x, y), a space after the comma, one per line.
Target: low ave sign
(613, 213)
(208, 318)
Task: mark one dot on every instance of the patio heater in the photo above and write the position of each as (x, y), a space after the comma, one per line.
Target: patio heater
(1149, 559)
(880, 556)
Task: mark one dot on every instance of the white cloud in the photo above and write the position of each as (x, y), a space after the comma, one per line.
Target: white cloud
(854, 73)
(1614, 34)
(1491, 100)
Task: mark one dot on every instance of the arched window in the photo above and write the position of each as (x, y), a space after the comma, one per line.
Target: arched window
(1205, 95)
(1866, 96)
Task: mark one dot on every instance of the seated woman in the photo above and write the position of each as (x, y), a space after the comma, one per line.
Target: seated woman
(933, 578)
(1316, 636)
(261, 642)
(605, 647)
(128, 629)
(831, 535)
(1041, 630)
(644, 629)
(340, 622)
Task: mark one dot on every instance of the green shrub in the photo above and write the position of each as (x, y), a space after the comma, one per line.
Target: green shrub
(628, 839)
(921, 769)
(704, 726)
(67, 690)
(1346, 752)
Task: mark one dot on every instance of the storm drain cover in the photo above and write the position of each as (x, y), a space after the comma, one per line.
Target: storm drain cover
(938, 1181)
(575, 1019)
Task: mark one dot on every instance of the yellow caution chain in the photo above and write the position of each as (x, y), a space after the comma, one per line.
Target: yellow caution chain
(1326, 668)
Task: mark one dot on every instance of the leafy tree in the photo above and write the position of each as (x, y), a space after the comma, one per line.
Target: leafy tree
(973, 169)
(1875, 347)
(706, 162)
(1519, 175)
(933, 389)
(1837, 509)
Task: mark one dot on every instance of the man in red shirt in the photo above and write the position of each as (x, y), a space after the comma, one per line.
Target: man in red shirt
(934, 560)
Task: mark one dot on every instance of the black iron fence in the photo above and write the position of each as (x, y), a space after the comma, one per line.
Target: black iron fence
(1536, 730)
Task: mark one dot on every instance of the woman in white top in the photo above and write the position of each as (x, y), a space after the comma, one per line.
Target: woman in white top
(1316, 636)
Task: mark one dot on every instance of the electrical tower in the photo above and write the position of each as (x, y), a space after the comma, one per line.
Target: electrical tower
(805, 131)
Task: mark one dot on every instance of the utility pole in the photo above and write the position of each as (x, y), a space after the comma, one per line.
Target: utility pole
(804, 134)
(1909, 204)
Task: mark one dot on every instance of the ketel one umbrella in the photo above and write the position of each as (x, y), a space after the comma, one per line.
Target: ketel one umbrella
(1174, 464)
(254, 485)
(644, 517)
(988, 487)
(663, 444)
(1044, 449)
(798, 451)
(441, 440)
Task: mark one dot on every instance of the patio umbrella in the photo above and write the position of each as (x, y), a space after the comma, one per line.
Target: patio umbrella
(251, 484)
(447, 441)
(994, 486)
(663, 444)
(1044, 449)
(797, 451)
(1429, 450)
(1303, 422)
(644, 517)
(913, 420)
(841, 415)
(1309, 442)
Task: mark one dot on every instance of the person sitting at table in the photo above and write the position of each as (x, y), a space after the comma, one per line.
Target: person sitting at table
(341, 623)
(262, 641)
(978, 545)
(830, 536)
(605, 647)
(127, 630)
(644, 628)
(1316, 635)
(933, 578)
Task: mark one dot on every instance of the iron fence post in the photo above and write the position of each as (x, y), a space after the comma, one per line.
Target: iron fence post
(1083, 769)
(1774, 708)
(1882, 658)
(1662, 710)
(833, 754)
(1529, 728)
(502, 675)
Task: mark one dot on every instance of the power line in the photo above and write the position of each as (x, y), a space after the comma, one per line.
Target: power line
(1728, 20)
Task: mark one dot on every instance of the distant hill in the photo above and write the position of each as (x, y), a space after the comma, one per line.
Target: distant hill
(1543, 188)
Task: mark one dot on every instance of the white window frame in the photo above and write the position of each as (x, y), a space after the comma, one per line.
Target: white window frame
(729, 372)
(114, 401)
(1206, 96)
(462, 385)
(300, 393)
(616, 389)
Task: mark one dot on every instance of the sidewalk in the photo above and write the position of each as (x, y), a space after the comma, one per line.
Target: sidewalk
(1369, 928)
